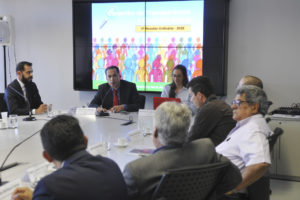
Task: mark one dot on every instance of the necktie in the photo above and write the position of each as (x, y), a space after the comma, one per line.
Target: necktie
(115, 100)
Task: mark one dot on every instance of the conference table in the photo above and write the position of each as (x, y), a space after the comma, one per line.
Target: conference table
(103, 134)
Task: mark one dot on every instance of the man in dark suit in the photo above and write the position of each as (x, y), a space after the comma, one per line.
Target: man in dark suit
(81, 175)
(22, 94)
(172, 121)
(116, 95)
(214, 117)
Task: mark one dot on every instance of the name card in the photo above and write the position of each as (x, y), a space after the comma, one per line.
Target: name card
(7, 189)
(146, 121)
(85, 111)
(37, 172)
(96, 149)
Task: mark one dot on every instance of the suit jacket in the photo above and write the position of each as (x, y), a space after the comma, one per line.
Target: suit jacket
(83, 176)
(16, 103)
(143, 175)
(128, 96)
(213, 120)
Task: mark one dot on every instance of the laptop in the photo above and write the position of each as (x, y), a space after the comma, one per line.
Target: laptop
(159, 100)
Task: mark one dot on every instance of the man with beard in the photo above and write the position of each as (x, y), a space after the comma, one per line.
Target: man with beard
(22, 95)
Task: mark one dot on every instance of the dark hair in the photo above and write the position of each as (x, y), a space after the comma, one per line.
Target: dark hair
(201, 84)
(184, 82)
(112, 67)
(62, 137)
(20, 65)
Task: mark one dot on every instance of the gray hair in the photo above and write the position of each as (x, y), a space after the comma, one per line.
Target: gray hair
(254, 94)
(172, 121)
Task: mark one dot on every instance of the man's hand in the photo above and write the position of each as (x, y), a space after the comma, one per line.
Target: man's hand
(22, 193)
(42, 109)
(117, 108)
(99, 109)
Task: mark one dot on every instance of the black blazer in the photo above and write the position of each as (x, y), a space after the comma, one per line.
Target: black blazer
(16, 103)
(83, 176)
(128, 96)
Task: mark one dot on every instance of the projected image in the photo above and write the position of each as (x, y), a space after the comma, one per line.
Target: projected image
(147, 40)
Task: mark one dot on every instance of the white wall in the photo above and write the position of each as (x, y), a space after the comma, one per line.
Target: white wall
(264, 40)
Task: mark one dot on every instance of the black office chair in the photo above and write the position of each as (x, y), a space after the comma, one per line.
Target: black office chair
(3, 106)
(192, 183)
(260, 190)
(273, 138)
(142, 101)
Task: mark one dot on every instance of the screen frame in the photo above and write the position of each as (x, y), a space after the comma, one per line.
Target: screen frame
(215, 37)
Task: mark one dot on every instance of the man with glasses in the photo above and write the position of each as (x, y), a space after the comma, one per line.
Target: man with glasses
(214, 117)
(22, 95)
(247, 145)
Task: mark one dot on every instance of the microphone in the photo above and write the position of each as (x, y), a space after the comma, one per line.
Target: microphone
(102, 113)
(30, 118)
(2, 168)
(130, 121)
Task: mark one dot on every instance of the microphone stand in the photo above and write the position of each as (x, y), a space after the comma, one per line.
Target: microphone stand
(30, 117)
(102, 113)
(2, 168)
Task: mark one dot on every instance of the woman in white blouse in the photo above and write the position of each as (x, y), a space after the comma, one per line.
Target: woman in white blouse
(177, 89)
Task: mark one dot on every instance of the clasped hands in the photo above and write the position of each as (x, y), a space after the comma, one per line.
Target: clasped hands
(115, 109)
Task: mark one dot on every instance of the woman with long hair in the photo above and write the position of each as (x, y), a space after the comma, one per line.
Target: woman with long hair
(177, 89)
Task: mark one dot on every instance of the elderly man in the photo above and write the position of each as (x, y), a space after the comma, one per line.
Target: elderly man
(214, 117)
(22, 95)
(247, 145)
(81, 175)
(172, 121)
(116, 95)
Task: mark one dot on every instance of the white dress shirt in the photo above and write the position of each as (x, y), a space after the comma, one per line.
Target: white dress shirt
(23, 87)
(24, 92)
(247, 143)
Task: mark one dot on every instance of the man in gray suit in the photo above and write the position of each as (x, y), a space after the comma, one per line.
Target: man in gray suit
(172, 121)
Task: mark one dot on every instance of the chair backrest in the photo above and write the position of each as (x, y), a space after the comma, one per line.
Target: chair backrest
(193, 183)
(3, 106)
(260, 189)
(159, 100)
(142, 101)
(273, 138)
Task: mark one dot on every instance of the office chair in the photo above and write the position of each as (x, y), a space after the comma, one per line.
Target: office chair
(192, 183)
(142, 101)
(3, 106)
(260, 190)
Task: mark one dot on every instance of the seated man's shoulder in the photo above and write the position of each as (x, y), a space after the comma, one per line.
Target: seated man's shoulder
(127, 83)
(218, 103)
(202, 143)
(103, 85)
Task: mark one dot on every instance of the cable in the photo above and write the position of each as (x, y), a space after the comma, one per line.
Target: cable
(9, 64)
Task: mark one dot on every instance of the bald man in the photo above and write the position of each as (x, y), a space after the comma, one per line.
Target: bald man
(251, 80)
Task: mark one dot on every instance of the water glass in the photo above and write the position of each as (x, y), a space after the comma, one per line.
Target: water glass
(49, 110)
(13, 121)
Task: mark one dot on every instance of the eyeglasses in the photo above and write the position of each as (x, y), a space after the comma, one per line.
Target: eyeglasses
(238, 102)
